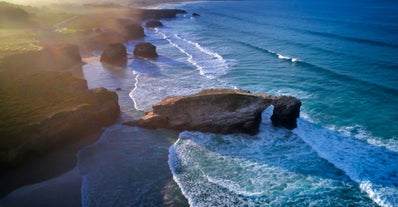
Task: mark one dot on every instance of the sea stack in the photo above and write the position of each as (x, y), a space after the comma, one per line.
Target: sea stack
(286, 111)
(114, 54)
(145, 50)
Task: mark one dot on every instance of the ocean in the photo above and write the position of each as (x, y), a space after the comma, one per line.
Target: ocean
(338, 57)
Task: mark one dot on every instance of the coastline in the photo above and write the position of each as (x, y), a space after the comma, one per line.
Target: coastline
(44, 168)
(54, 177)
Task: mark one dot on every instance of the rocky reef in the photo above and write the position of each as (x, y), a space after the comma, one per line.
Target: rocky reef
(222, 111)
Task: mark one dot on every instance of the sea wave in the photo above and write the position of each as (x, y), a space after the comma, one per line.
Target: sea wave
(330, 72)
(252, 21)
(169, 75)
(207, 62)
(274, 168)
(374, 168)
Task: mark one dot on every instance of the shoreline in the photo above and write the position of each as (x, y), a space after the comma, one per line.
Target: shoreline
(41, 175)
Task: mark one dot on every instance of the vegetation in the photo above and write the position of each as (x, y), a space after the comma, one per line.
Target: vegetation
(26, 99)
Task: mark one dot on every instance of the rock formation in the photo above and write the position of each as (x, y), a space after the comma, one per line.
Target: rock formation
(160, 13)
(153, 24)
(134, 31)
(146, 50)
(216, 110)
(195, 15)
(222, 111)
(114, 54)
(286, 111)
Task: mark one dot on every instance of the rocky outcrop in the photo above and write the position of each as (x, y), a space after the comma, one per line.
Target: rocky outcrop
(153, 24)
(134, 31)
(217, 110)
(195, 15)
(286, 111)
(222, 111)
(57, 57)
(146, 50)
(114, 54)
(160, 13)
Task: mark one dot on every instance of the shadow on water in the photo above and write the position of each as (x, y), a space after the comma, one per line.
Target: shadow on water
(128, 167)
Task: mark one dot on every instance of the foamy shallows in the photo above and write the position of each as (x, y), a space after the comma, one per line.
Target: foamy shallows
(374, 168)
(274, 168)
(183, 67)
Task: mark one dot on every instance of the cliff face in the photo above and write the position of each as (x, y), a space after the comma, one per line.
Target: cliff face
(43, 108)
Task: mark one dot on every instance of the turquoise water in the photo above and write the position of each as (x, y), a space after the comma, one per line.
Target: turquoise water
(338, 57)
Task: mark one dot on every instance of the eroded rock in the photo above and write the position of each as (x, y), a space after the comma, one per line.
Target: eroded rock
(114, 54)
(146, 50)
(286, 111)
(222, 111)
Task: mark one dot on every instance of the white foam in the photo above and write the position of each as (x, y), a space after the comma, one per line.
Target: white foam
(172, 74)
(291, 92)
(207, 62)
(374, 168)
(285, 57)
(275, 168)
(360, 132)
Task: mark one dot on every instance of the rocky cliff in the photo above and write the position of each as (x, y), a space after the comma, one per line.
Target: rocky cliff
(43, 106)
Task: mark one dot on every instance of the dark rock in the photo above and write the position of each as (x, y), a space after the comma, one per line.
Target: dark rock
(195, 15)
(114, 54)
(153, 24)
(134, 31)
(118, 89)
(146, 50)
(286, 111)
(222, 111)
(160, 13)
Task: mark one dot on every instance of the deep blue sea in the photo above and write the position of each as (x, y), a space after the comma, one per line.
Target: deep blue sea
(339, 57)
